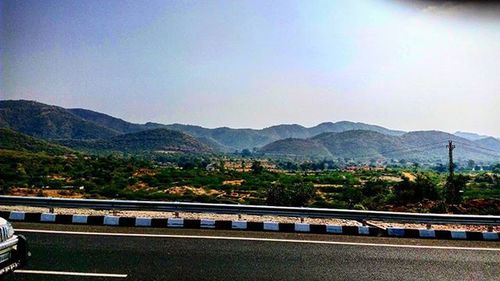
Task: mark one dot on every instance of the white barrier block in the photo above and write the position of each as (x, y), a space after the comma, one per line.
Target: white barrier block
(48, 217)
(302, 227)
(239, 225)
(175, 222)
(427, 233)
(111, 220)
(490, 235)
(271, 225)
(17, 216)
(79, 219)
(458, 234)
(395, 231)
(141, 221)
(207, 223)
(334, 228)
(363, 230)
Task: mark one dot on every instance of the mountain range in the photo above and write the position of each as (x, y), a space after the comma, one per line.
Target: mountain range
(419, 146)
(87, 130)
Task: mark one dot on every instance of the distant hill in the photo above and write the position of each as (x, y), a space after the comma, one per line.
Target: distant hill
(429, 145)
(355, 144)
(287, 131)
(12, 140)
(298, 131)
(250, 138)
(104, 120)
(343, 126)
(296, 147)
(421, 146)
(228, 138)
(113, 123)
(359, 144)
(489, 143)
(48, 122)
(156, 140)
(470, 136)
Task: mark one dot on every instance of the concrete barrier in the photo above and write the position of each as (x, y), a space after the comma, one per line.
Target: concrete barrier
(207, 223)
(271, 226)
(111, 220)
(17, 216)
(363, 230)
(490, 235)
(175, 222)
(239, 225)
(427, 233)
(302, 227)
(48, 217)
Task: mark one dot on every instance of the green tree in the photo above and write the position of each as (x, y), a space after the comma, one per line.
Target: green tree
(257, 167)
(454, 188)
(276, 195)
(301, 194)
(413, 191)
(471, 164)
(246, 153)
(424, 188)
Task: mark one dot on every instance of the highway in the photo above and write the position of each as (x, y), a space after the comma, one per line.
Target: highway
(119, 253)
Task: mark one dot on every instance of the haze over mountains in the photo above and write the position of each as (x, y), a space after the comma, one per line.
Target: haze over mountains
(87, 130)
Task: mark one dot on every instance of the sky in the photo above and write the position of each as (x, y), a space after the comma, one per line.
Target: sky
(258, 63)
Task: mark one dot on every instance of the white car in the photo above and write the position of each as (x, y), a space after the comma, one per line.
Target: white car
(13, 248)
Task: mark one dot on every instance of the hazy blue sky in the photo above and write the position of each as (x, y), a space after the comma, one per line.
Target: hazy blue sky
(257, 63)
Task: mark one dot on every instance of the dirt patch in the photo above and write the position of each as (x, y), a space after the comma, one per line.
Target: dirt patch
(141, 186)
(57, 193)
(144, 172)
(409, 175)
(182, 190)
(390, 178)
(57, 177)
(233, 182)
(319, 185)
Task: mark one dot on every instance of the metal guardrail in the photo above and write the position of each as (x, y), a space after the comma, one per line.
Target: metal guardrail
(358, 215)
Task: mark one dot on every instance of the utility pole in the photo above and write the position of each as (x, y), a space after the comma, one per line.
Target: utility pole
(450, 147)
(451, 191)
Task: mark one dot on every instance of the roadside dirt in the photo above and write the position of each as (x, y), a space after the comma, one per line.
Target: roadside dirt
(435, 226)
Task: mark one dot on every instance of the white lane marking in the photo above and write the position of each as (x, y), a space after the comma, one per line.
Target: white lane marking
(87, 274)
(251, 239)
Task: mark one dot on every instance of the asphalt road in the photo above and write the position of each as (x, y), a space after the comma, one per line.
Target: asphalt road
(175, 254)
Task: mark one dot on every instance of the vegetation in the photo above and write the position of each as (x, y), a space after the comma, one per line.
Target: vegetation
(156, 140)
(16, 141)
(48, 122)
(205, 179)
